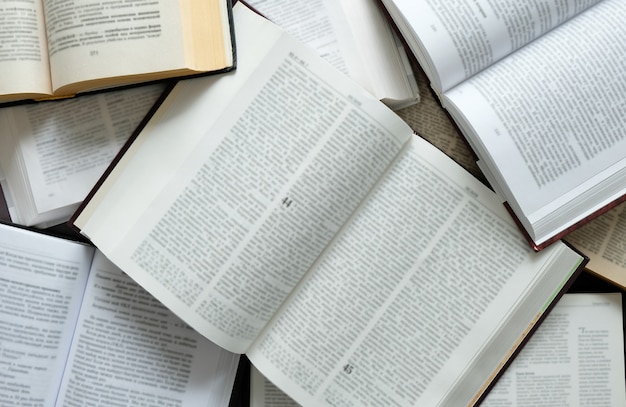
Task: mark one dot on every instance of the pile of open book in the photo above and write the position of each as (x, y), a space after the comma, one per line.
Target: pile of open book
(364, 232)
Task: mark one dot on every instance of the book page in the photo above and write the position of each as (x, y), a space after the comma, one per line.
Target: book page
(129, 349)
(317, 23)
(41, 287)
(454, 40)
(23, 54)
(603, 240)
(63, 147)
(549, 120)
(576, 357)
(423, 275)
(259, 196)
(101, 40)
(352, 36)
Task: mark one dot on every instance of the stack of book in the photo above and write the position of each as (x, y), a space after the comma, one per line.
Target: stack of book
(307, 202)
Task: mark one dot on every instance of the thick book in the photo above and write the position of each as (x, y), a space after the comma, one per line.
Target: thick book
(297, 219)
(539, 92)
(75, 330)
(52, 153)
(354, 37)
(59, 48)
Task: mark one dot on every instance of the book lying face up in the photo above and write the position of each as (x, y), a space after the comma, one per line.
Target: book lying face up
(298, 220)
(541, 102)
(60, 49)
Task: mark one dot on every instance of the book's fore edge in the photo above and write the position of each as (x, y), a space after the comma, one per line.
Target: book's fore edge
(233, 66)
(119, 155)
(564, 232)
(530, 330)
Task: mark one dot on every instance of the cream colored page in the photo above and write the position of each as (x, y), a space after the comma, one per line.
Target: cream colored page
(463, 38)
(129, 349)
(258, 198)
(24, 57)
(420, 277)
(97, 39)
(576, 358)
(574, 96)
(41, 286)
(603, 240)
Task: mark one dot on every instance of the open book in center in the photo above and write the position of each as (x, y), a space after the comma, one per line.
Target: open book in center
(539, 91)
(58, 48)
(298, 220)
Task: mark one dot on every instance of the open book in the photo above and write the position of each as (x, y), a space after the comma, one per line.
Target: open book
(354, 37)
(574, 358)
(56, 48)
(539, 92)
(51, 154)
(75, 329)
(300, 221)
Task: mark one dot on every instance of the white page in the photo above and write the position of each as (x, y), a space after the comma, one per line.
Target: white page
(354, 37)
(226, 205)
(65, 146)
(41, 288)
(459, 38)
(319, 24)
(576, 358)
(580, 342)
(418, 299)
(130, 349)
(553, 127)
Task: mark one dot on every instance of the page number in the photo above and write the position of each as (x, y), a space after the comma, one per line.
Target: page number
(93, 53)
(348, 368)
